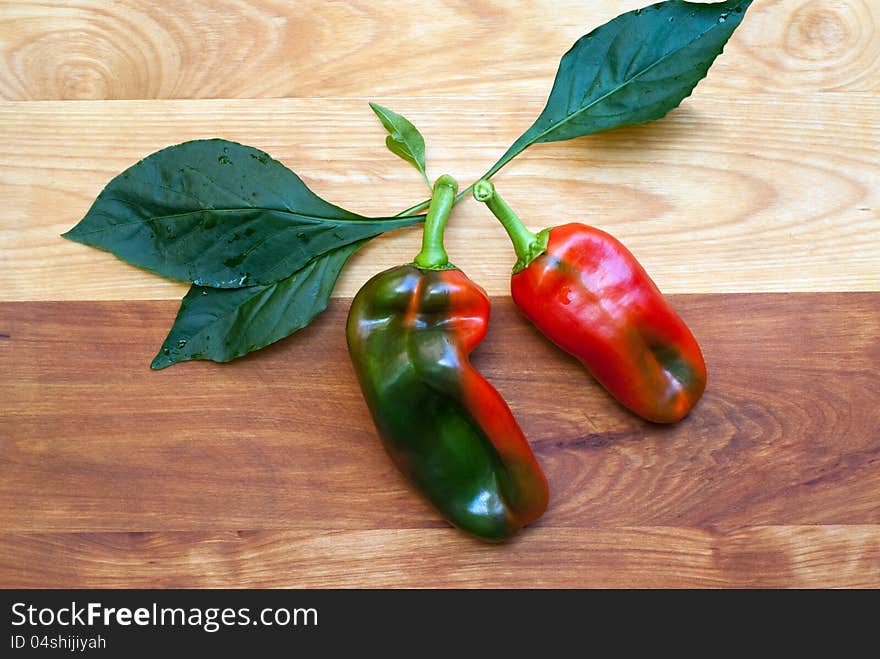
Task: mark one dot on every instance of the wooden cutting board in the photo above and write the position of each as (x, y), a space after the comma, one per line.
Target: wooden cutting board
(754, 205)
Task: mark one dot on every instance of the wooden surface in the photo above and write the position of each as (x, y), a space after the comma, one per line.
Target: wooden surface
(707, 199)
(116, 475)
(758, 193)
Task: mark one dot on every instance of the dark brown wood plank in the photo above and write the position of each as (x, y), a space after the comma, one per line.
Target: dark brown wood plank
(267, 471)
(648, 557)
(92, 440)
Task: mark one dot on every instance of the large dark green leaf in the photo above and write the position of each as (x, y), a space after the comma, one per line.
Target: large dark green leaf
(633, 69)
(222, 324)
(219, 214)
(404, 139)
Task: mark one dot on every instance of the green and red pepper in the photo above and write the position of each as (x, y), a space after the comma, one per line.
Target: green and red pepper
(410, 332)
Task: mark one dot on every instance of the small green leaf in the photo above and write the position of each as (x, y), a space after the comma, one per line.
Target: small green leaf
(219, 214)
(222, 324)
(404, 139)
(634, 69)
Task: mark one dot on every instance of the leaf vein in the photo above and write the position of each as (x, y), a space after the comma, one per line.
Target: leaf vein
(569, 117)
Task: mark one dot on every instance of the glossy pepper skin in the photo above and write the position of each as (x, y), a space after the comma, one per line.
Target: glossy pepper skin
(410, 332)
(589, 295)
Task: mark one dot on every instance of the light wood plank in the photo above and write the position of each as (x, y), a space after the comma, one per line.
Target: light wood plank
(92, 440)
(765, 193)
(53, 50)
(626, 557)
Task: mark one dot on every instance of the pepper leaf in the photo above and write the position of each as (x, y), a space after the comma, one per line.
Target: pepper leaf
(219, 214)
(404, 139)
(634, 69)
(222, 324)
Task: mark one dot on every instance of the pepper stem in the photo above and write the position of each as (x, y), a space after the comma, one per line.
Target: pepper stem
(433, 255)
(527, 245)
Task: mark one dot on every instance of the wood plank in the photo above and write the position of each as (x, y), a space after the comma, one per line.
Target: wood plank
(787, 433)
(765, 193)
(640, 557)
(55, 50)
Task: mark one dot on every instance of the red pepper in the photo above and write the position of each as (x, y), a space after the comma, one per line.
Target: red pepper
(587, 293)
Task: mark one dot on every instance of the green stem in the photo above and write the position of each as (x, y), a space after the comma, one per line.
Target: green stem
(464, 193)
(422, 205)
(515, 149)
(527, 245)
(433, 255)
(414, 209)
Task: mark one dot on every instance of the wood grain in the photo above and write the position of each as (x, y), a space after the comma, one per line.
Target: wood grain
(649, 557)
(95, 447)
(55, 50)
(267, 472)
(761, 194)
